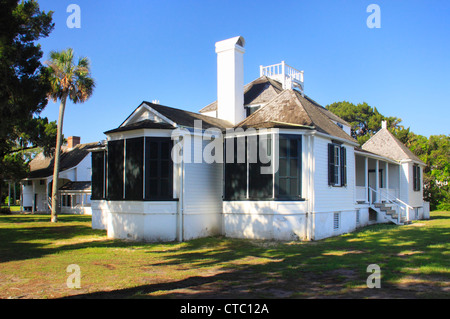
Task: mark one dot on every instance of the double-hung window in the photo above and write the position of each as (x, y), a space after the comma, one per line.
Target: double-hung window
(337, 165)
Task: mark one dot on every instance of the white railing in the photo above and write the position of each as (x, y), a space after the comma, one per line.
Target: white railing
(401, 208)
(361, 193)
(287, 75)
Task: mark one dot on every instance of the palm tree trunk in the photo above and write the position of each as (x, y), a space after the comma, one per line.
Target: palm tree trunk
(55, 208)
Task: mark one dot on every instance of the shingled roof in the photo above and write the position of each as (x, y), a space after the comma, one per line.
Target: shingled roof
(186, 118)
(179, 117)
(42, 166)
(259, 91)
(291, 109)
(397, 150)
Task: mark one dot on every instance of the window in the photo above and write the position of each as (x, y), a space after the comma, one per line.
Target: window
(289, 168)
(245, 181)
(337, 165)
(158, 168)
(250, 109)
(134, 168)
(236, 169)
(260, 185)
(416, 178)
(137, 169)
(98, 175)
(336, 220)
(358, 217)
(115, 169)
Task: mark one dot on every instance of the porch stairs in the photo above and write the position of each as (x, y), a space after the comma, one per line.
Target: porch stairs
(392, 208)
(386, 209)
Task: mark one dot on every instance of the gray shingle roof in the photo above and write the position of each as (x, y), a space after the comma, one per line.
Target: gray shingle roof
(291, 108)
(41, 166)
(186, 118)
(384, 143)
(259, 91)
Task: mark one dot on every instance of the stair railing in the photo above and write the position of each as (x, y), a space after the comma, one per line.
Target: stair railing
(403, 209)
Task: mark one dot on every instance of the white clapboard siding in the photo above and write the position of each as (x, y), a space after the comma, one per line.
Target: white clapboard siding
(327, 198)
(203, 187)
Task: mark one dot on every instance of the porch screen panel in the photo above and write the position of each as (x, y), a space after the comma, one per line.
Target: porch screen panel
(260, 185)
(134, 169)
(115, 169)
(98, 175)
(158, 168)
(289, 169)
(236, 169)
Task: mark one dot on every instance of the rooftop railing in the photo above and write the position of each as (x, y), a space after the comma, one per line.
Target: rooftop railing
(288, 76)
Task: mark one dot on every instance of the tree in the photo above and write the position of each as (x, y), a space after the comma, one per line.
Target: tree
(434, 151)
(68, 81)
(365, 120)
(24, 84)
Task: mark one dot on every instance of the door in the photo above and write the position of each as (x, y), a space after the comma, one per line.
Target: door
(373, 183)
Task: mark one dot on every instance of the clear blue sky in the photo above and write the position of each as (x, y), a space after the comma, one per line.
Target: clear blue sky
(145, 50)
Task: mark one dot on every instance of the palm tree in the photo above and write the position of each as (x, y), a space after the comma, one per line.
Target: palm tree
(68, 81)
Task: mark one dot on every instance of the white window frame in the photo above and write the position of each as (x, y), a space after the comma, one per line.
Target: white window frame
(337, 165)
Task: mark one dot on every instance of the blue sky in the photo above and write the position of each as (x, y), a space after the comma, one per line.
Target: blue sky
(164, 50)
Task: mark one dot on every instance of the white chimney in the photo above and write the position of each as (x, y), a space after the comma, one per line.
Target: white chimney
(230, 79)
(384, 124)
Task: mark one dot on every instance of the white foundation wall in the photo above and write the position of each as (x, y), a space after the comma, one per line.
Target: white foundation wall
(265, 220)
(324, 222)
(136, 220)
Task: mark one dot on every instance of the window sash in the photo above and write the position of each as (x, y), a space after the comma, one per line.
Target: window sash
(130, 165)
(244, 182)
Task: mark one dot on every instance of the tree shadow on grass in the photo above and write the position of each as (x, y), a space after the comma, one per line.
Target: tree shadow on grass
(331, 268)
(232, 268)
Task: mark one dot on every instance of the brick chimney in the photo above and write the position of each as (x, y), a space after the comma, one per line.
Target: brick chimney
(73, 141)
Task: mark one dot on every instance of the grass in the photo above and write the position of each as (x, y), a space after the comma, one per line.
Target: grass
(34, 255)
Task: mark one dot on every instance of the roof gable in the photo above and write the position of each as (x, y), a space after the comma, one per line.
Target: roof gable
(155, 116)
(145, 113)
(386, 144)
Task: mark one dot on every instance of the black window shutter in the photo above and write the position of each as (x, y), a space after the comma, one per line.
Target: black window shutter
(415, 177)
(331, 164)
(343, 166)
(418, 178)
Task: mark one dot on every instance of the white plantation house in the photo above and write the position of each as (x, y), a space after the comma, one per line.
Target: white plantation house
(74, 180)
(168, 174)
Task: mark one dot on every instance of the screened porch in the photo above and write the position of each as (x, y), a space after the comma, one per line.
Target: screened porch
(373, 187)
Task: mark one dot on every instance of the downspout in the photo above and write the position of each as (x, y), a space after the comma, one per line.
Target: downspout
(180, 213)
(308, 195)
(310, 214)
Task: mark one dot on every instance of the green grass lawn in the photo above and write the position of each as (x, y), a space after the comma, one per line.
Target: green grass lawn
(34, 255)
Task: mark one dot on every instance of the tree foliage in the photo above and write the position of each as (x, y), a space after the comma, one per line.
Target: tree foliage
(24, 85)
(365, 121)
